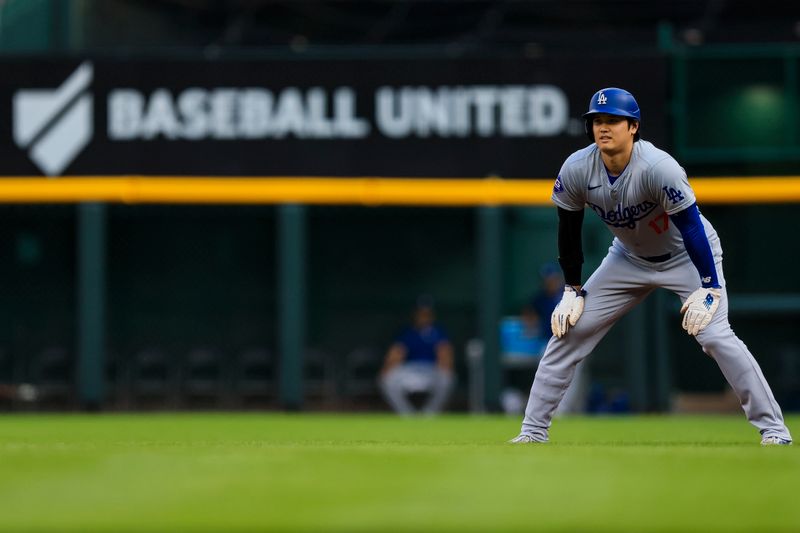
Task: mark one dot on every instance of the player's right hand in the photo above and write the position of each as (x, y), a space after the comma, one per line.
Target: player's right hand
(568, 311)
(699, 309)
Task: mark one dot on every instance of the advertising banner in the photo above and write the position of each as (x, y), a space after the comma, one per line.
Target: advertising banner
(515, 118)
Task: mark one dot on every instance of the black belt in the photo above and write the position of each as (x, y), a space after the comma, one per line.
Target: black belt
(657, 258)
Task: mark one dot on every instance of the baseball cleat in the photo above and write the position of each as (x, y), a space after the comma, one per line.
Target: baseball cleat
(525, 439)
(775, 441)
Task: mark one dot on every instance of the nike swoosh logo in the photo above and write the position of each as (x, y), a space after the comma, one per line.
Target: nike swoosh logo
(595, 187)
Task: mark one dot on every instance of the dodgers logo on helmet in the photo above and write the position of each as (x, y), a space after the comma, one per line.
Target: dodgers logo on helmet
(614, 101)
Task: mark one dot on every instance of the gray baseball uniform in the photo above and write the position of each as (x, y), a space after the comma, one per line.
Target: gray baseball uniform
(647, 252)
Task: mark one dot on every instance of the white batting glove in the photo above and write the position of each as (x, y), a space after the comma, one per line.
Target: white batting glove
(699, 308)
(567, 312)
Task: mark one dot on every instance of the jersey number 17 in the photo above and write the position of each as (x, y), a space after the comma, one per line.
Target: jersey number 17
(660, 224)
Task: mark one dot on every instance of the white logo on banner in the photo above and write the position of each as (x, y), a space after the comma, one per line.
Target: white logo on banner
(54, 125)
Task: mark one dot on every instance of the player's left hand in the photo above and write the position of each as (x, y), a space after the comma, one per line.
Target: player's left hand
(699, 308)
(568, 311)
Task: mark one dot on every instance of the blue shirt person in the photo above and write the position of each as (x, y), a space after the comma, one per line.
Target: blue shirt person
(421, 359)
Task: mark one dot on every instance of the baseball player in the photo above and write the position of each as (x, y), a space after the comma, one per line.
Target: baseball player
(660, 240)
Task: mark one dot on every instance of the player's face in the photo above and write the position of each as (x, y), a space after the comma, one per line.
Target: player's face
(612, 133)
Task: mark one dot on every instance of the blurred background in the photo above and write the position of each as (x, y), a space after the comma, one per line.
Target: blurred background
(173, 305)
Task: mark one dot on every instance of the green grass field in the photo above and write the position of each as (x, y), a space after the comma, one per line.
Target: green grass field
(282, 472)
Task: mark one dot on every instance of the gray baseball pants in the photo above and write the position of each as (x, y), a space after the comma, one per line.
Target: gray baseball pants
(408, 378)
(617, 286)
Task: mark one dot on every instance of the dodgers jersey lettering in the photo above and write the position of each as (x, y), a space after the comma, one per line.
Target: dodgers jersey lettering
(636, 207)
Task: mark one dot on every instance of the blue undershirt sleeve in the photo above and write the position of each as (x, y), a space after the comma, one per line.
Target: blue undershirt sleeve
(694, 238)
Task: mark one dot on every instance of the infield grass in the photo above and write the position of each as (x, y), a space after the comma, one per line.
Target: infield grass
(279, 472)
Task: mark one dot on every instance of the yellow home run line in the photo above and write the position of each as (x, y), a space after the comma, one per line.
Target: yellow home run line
(370, 191)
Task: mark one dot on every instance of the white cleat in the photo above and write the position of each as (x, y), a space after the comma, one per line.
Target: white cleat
(775, 441)
(525, 439)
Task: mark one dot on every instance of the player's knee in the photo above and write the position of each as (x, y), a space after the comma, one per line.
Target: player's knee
(713, 340)
(578, 333)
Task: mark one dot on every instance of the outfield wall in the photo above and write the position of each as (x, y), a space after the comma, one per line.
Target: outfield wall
(97, 286)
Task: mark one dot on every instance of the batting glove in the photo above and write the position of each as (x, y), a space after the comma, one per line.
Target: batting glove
(699, 308)
(568, 311)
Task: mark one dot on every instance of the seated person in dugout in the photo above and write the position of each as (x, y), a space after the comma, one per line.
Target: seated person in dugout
(420, 360)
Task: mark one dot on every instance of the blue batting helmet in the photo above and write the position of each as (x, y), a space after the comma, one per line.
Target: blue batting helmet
(612, 101)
